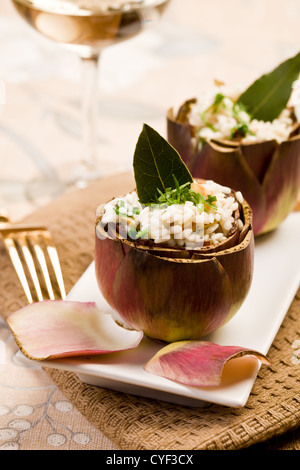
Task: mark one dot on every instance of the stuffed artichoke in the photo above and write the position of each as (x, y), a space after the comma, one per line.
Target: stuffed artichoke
(173, 257)
(249, 141)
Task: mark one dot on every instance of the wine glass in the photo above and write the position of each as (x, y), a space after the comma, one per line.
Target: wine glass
(87, 27)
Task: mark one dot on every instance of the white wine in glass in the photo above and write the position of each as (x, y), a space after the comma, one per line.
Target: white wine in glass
(87, 27)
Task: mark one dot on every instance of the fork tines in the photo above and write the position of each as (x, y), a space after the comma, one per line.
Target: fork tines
(36, 261)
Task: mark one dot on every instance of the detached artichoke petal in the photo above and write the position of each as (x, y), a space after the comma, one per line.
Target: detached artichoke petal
(56, 329)
(197, 363)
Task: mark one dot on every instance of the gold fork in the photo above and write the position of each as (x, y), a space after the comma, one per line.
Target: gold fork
(35, 260)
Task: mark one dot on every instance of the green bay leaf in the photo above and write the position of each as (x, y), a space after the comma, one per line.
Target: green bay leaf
(155, 162)
(269, 94)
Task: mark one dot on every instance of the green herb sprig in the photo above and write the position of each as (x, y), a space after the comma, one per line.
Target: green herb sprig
(241, 129)
(183, 193)
(219, 101)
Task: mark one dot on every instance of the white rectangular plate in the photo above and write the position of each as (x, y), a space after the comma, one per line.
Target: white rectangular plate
(275, 282)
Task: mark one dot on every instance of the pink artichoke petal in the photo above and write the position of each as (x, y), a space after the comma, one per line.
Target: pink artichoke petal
(52, 329)
(197, 363)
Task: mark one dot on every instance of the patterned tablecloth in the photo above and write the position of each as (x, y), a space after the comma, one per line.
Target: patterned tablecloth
(39, 116)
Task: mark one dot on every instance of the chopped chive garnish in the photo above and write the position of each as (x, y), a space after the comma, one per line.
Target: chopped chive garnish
(134, 235)
(129, 213)
(183, 193)
(218, 101)
(239, 130)
(210, 201)
(142, 233)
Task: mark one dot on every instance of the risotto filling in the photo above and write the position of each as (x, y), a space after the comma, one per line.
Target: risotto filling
(217, 115)
(192, 215)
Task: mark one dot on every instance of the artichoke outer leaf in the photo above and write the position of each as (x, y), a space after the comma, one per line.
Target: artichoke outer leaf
(258, 156)
(281, 183)
(180, 135)
(57, 328)
(229, 167)
(236, 262)
(197, 363)
(157, 295)
(108, 252)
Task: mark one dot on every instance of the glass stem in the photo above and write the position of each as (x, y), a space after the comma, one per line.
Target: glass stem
(89, 111)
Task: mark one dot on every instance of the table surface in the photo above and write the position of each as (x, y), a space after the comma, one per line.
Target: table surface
(196, 42)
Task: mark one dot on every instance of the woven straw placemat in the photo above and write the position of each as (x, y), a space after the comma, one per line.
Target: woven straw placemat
(271, 417)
